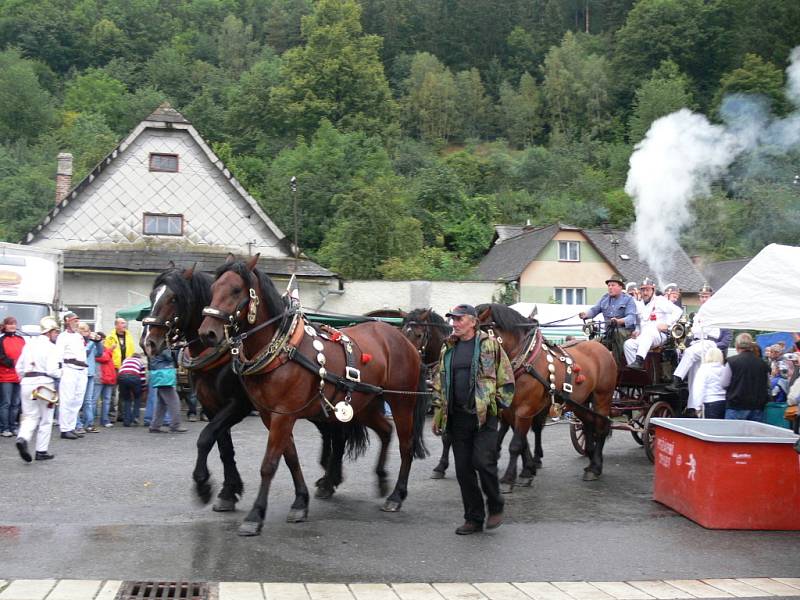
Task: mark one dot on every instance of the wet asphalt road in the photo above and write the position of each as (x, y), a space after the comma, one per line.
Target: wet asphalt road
(118, 505)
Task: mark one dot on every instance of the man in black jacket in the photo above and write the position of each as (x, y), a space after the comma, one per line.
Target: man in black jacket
(745, 379)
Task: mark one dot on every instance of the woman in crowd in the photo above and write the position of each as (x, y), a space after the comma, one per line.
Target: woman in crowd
(131, 381)
(11, 344)
(708, 390)
(106, 380)
(94, 348)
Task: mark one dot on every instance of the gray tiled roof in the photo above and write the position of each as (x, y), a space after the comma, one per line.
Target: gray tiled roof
(157, 261)
(508, 258)
(166, 114)
(504, 232)
(718, 273)
(681, 270)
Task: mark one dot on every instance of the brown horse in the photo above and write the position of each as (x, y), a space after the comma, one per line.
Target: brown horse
(177, 299)
(291, 372)
(589, 366)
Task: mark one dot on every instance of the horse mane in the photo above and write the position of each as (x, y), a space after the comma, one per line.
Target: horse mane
(504, 317)
(189, 293)
(434, 317)
(269, 293)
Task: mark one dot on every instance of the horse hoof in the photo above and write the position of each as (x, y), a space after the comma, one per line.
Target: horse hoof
(590, 476)
(506, 488)
(204, 491)
(250, 528)
(224, 505)
(437, 474)
(323, 493)
(525, 481)
(391, 506)
(297, 515)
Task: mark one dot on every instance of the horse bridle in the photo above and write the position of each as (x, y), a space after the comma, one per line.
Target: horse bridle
(171, 325)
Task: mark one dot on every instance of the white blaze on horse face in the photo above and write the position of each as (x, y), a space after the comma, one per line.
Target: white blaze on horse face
(159, 292)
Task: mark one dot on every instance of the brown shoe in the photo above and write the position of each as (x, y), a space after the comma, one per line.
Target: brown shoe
(494, 521)
(469, 527)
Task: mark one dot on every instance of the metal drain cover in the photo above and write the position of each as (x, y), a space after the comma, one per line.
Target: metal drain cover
(150, 590)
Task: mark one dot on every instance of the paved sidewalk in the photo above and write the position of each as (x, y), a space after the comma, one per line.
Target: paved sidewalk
(68, 589)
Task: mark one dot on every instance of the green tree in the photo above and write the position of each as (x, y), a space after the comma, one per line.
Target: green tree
(435, 264)
(472, 108)
(666, 91)
(430, 104)
(337, 75)
(755, 76)
(25, 108)
(576, 88)
(94, 91)
(372, 225)
(26, 195)
(236, 48)
(519, 111)
(327, 168)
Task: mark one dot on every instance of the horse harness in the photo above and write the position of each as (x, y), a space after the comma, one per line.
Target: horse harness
(533, 344)
(285, 347)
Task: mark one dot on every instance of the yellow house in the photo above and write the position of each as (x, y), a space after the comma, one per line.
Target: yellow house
(561, 264)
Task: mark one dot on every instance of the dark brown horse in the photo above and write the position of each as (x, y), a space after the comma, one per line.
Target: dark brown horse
(292, 372)
(588, 368)
(177, 299)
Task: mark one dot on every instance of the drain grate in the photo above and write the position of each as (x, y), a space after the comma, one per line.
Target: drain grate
(152, 590)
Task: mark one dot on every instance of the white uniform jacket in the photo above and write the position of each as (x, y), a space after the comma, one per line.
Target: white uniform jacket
(659, 311)
(40, 355)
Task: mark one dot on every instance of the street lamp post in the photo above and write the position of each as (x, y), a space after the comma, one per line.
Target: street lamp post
(293, 187)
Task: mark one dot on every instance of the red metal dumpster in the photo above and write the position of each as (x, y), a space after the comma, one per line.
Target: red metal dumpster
(726, 474)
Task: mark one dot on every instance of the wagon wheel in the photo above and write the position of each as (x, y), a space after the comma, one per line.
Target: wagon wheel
(578, 437)
(637, 421)
(661, 409)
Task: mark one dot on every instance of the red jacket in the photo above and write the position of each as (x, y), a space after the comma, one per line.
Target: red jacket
(12, 345)
(107, 372)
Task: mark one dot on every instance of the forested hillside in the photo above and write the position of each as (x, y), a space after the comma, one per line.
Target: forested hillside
(412, 126)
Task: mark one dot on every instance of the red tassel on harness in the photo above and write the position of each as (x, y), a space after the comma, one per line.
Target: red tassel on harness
(580, 379)
(335, 336)
(365, 358)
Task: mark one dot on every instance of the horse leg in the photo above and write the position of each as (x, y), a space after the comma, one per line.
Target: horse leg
(222, 421)
(299, 509)
(403, 411)
(515, 448)
(444, 461)
(538, 427)
(374, 419)
(232, 487)
(280, 436)
(326, 485)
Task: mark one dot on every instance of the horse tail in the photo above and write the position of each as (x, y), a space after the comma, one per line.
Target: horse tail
(420, 412)
(356, 439)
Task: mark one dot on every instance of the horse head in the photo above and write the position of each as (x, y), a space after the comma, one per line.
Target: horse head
(506, 323)
(426, 330)
(170, 302)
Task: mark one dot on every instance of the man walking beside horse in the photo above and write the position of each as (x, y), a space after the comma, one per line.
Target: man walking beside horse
(475, 382)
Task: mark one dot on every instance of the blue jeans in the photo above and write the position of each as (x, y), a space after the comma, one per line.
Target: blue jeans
(105, 390)
(745, 415)
(9, 406)
(86, 414)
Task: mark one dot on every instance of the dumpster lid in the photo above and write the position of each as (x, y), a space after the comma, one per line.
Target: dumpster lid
(729, 430)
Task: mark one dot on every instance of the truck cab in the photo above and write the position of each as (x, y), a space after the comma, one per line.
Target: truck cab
(30, 284)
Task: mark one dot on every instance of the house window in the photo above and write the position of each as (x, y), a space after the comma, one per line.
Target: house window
(87, 314)
(570, 251)
(155, 224)
(570, 295)
(167, 163)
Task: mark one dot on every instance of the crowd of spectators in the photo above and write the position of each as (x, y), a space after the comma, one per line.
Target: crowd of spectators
(99, 378)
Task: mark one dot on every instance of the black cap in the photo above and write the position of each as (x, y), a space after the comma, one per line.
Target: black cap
(461, 310)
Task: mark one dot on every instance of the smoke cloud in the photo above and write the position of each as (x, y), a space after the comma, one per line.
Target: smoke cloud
(683, 154)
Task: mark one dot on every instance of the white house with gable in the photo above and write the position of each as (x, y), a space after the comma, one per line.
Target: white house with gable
(161, 197)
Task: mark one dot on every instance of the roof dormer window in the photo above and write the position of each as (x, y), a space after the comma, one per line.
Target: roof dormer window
(160, 224)
(164, 163)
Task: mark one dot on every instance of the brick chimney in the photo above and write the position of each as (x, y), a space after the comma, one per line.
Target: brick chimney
(63, 176)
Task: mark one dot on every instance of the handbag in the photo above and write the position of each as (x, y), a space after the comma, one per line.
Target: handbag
(790, 414)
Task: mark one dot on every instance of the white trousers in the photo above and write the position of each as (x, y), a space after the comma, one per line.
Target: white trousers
(71, 390)
(687, 368)
(35, 417)
(649, 337)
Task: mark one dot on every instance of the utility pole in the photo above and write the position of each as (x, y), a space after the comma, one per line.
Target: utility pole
(293, 187)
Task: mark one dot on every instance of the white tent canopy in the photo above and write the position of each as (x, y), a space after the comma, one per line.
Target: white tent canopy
(764, 295)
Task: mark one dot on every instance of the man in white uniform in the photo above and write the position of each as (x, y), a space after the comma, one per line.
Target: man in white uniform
(656, 316)
(74, 376)
(705, 338)
(38, 367)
